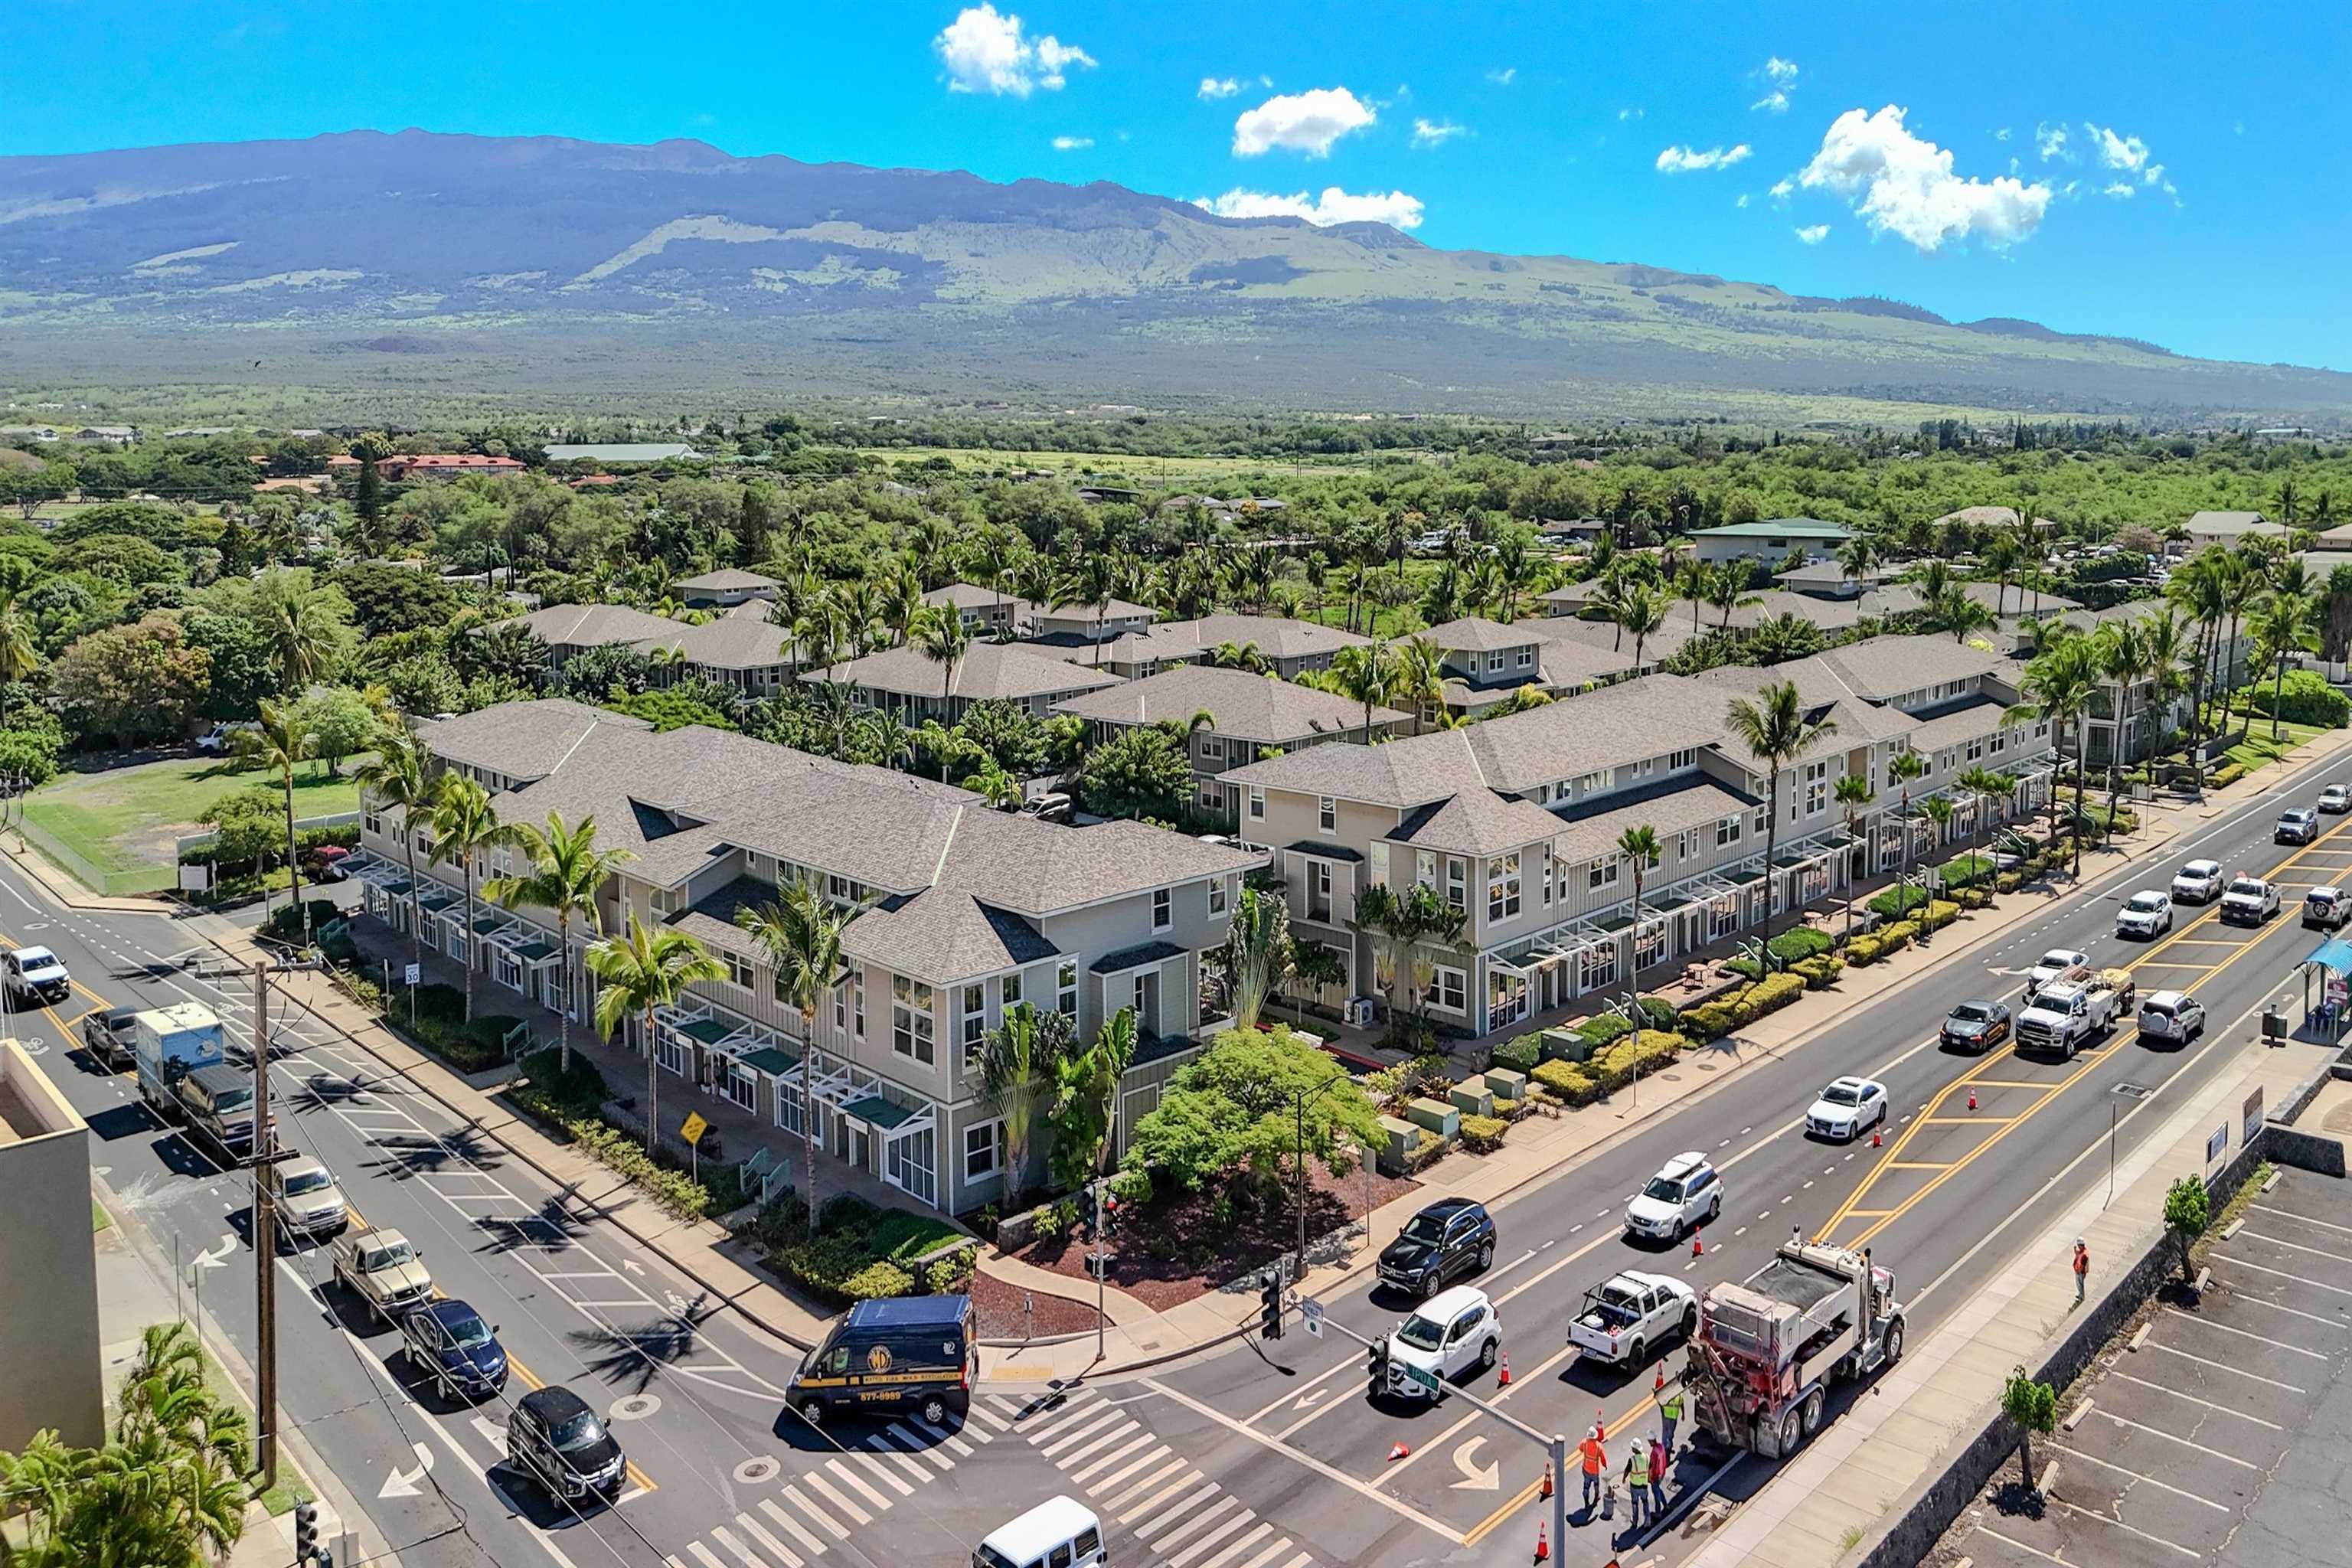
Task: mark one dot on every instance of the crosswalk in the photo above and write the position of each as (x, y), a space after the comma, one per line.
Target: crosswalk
(809, 1512)
(1142, 1487)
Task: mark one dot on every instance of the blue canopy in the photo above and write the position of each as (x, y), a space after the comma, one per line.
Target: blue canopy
(2335, 953)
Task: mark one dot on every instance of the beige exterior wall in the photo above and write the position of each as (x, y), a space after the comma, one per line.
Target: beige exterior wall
(49, 1268)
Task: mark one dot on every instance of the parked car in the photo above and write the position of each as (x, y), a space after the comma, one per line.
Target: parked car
(1977, 1025)
(1629, 1315)
(2050, 965)
(35, 977)
(107, 1032)
(2198, 882)
(557, 1441)
(2326, 909)
(1047, 808)
(310, 1206)
(2147, 914)
(2296, 825)
(385, 1270)
(1681, 1197)
(217, 1102)
(2171, 1016)
(1454, 1334)
(1451, 1238)
(2249, 901)
(1847, 1108)
(2336, 799)
(328, 863)
(921, 1353)
(449, 1342)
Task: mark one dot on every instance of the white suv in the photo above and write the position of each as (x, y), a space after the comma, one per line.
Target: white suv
(2198, 882)
(1453, 1334)
(1680, 1198)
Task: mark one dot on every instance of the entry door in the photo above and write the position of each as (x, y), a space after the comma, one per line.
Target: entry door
(857, 1137)
(1147, 1002)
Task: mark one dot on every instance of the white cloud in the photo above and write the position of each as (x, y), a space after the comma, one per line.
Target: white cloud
(986, 51)
(1780, 189)
(1742, 200)
(1903, 185)
(1394, 209)
(1629, 114)
(1436, 132)
(1213, 86)
(1782, 75)
(1072, 143)
(1775, 102)
(2121, 190)
(2002, 134)
(1691, 161)
(1813, 234)
(1501, 76)
(2050, 140)
(1305, 123)
(1781, 70)
(2128, 153)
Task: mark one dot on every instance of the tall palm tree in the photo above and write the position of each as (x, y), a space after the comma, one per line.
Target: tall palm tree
(464, 824)
(20, 656)
(1853, 791)
(277, 743)
(1727, 589)
(1093, 583)
(1690, 579)
(1777, 728)
(2058, 687)
(395, 777)
(2197, 590)
(1640, 846)
(2242, 583)
(1366, 672)
(801, 933)
(642, 973)
(563, 873)
(938, 633)
(1905, 767)
(1857, 558)
(2163, 677)
(305, 626)
(2286, 622)
(1641, 612)
(1416, 678)
(2121, 648)
(1984, 786)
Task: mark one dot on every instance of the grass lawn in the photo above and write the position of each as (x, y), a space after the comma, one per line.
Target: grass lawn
(126, 820)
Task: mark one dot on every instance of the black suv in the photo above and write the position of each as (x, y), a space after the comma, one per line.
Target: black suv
(1452, 1237)
(555, 1439)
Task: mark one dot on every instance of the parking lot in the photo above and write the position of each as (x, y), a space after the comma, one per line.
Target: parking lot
(2222, 1438)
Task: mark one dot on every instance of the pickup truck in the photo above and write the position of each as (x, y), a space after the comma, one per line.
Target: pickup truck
(385, 1270)
(2075, 1008)
(1628, 1315)
(2250, 900)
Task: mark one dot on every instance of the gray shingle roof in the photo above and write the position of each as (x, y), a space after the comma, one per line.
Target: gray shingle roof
(1476, 634)
(725, 578)
(1245, 707)
(946, 935)
(743, 639)
(1683, 804)
(525, 740)
(1971, 721)
(987, 669)
(1277, 637)
(1476, 822)
(972, 596)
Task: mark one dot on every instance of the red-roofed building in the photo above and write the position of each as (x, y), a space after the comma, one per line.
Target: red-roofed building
(444, 465)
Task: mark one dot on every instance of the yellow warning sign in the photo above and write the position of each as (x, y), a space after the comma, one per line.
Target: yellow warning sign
(695, 1128)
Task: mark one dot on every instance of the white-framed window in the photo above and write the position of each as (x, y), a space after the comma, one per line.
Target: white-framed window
(1257, 804)
(837, 887)
(911, 1024)
(1457, 876)
(740, 1088)
(848, 1006)
(1596, 966)
(788, 1105)
(1065, 988)
(976, 1024)
(1727, 832)
(1976, 749)
(1503, 887)
(370, 822)
(1495, 662)
(984, 1149)
(1683, 759)
(1694, 842)
(1327, 815)
(1424, 868)
(1212, 748)
(1722, 916)
(1602, 873)
(1527, 660)
(664, 900)
(1649, 944)
(1210, 795)
(1163, 913)
(1762, 822)
(1217, 895)
(1449, 990)
(1008, 992)
(738, 971)
(1380, 863)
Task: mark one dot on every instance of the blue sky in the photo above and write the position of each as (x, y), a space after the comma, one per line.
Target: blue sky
(2198, 198)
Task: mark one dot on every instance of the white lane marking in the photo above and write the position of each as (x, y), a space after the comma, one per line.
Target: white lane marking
(2225, 1366)
(2151, 1480)
(2242, 1334)
(2194, 1400)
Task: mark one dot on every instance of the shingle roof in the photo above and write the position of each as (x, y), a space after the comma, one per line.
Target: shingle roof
(1676, 806)
(1776, 527)
(1245, 707)
(2228, 523)
(727, 577)
(1277, 637)
(1476, 634)
(1970, 722)
(987, 669)
(743, 639)
(946, 935)
(1476, 822)
(1117, 610)
(525, 740)
(972, 596)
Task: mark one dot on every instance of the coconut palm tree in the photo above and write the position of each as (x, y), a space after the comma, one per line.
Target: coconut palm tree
(2285, 621)
(1016, 1066)
(1727, 589)
(1640, 848)
(1416, 678)
(20, 656)
(2058, 687)
(305, 626)
(1092, 582)
(1240, 655)
(1366, 672)
(801, 935)
(938, 633)
(277, 743)
(2121, 649)
(647, 969)
(464, 824)
(1857, 558)
(1639, 613)
(2242, 585)
(2165, 677)
(1777, 728)
(563, 873)
(1853, 791)
(1985, 786)
(1905, 767)
(2197, 590)
(395, 777)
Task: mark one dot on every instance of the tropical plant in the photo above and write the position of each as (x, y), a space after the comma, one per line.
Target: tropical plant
(563, 872)
(939, 634)
(396, 778)
(1640, 848)
(1085, 1108)
(464, 824)
(2058, 688)
(1257, 957)
(645, 971)
(1641, 611)
(1016, 1067)
(2285, 621)
(800, 932)
(2032, 1406)
(1857, 558)
(2187, 1210)
(1367, 673)
(277, 743)
(1776, 727)
(1403, 922)
(1853, 791)
(1727, 589)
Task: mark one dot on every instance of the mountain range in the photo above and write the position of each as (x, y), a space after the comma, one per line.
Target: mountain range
(557, 272)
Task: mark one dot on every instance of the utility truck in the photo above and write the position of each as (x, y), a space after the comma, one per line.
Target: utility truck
(1769, 1347)
(2077, 1008)
(167, 1044)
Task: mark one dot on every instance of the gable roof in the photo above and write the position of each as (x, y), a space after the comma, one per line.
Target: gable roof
(1475, 822)
(1476, 634)
(525, 740)
(1243, 707)
(987, 670)
(724, 578)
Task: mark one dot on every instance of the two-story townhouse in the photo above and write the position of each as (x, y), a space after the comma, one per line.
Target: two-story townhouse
(724, 588)
(1485, 661)
(906, 681)
(961, 912)
(1286, 647)
(741, 649)
(985, 612)
(1249, 716)
(1089, 624)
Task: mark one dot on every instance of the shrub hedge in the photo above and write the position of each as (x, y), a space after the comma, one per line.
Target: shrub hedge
(1818, 971)
(1520, 1053)
(2307, 699)
(1892, 907)
(1483, 1134)
(678, 1196)
(1787, 948)
(1713, 1020)
(2225, 776)
(1609, 1070)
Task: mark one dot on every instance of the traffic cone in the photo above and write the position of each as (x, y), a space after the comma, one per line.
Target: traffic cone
(1545, 1494)
(1543, 1543)
(1698, 1246)
(1398, 1452)
(1505, 1379)
(1599, 1426)
(1659, 1386)
(1877, 1137)
(1972, 1099)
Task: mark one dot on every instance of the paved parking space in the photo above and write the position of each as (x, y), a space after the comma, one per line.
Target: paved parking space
(2224, 1438)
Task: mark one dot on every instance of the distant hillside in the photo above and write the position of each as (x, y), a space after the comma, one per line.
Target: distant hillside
(573, 272)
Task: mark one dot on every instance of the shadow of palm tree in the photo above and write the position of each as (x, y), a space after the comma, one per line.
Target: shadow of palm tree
(628, 1358)
(405, 1155)
(551, 1228)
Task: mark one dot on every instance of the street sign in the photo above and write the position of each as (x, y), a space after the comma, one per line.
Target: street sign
(695, 1128)
(1310, 1317)
(1428, 1380)
(2217, 1144)
(2253, 1110)
(413, 975)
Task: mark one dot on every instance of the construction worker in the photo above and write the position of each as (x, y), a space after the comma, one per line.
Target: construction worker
(1658, 1480)
(1637, 1479)
(1596, 1462)
(2082, 1268)
(1670, 1413)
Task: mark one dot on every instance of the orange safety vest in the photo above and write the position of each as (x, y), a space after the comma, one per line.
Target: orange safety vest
(1595, 1459)
(2082, 1260)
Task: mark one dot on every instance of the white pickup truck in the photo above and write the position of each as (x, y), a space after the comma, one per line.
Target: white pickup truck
(2250, 900)
(1627, 1316)
(2074, 1008)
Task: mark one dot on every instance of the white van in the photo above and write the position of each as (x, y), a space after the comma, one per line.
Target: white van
(1060, 1532)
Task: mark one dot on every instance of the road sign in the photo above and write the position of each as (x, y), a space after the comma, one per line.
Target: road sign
(1428, 1380)
(1310, 1317)
(2217, 1144)
(695, 1128)
(2254, 1111)
(414, 975)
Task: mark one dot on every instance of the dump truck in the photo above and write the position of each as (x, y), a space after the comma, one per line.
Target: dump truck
(1769, 1347)
(167, 1044)
(2077, 1008)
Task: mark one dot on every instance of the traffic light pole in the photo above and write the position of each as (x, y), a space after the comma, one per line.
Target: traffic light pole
(1554, 1444)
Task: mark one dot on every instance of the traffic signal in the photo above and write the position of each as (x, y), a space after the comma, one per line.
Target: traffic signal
(1269, 1311)
(1376, 1365)
(1110, 1217)
(306, 1532)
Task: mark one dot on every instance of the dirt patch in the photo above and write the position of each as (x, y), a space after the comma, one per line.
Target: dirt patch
(1184, 1246)
(1000, 1307)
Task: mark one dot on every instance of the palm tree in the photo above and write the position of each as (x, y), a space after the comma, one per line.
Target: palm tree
(2121, 649)
(1094, 583)
(1984, 786)
(1641, 611)
(2002, 557)
(2058, 686)
(1366, 672)
(395, 777)
(1905, 767)
(2163, 677)
(20, 656)
(940, 635)
(1777, 728)
(464, 823)
(2197, 589)
(1853, 791)
(565, 872)
(1257, 957)
(1015, 1066)
(642, 973)
(2286, 622)
(304, 626)
(1857, 558)
(1639, 846)
(277, 743)
(1690, 580)
(1240, 655)
(801, 933)
(1727, 589)
(2241, 584)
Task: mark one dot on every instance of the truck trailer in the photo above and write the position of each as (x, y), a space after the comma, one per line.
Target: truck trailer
(1768, 1347)
(166, 1045)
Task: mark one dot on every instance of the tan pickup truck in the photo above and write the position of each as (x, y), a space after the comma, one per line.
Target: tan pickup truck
(385, 1270)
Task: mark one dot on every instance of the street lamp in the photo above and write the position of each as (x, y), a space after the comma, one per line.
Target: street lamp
(1298, 1103)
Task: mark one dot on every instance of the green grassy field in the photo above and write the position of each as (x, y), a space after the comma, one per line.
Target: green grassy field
(126, 820)
(1138, 473)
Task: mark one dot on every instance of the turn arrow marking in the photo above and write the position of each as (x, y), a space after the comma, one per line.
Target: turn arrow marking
(1309, 1401)
(632, 1267)
(1475, 1478)
(402, 1483)
(217, 1257)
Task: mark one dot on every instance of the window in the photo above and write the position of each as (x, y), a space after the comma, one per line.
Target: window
(1380, 864)
(1727, 832)
(1817, 797)
(1649, 944)
(371, 822)
(1257, 804)
(1683, 759)
(1527, 658)
(1457, 873)
(976, 1024)
(1600, 874)
(1503, 887)
(1597, 966)
(1694, 842)
(1065, 988)
(848, 1005)
(1449, 990)
(910, 1020)
(984, 1149)
(1008, 992)
(662, 901)
(838, 887)
(1217, 895)
(738, 971)
(1424, 868)
(1163, 915)
(1976, 749)
(1327, 815)
(1212, 748)
(1495, 662)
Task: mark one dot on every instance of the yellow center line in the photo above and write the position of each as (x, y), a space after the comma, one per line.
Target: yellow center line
(1614, 1425)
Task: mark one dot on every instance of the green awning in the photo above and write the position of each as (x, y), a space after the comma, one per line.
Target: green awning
(485, 924)
(877, 1112)
(709, 1031)
(535, 951)
(1614, 922)
(394, 889)
(434, 903)
(1668, 905)
(772, 1062)
(1746, 878)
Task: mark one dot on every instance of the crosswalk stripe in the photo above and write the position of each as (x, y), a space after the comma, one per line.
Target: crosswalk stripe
(857, 1515)
(1115, 1455)
(944, 1435)
(881, 1445)
(1304, 1560)
(1224, 1501)
(1270, 1554)
(671, 1561)
(1263, 1530)
(1007, 1403)
(883, 1470)
(991, 1417)
(1070, 1415)
(919, 1446)
(733, 1542)
(814, 1513)
(1112, 1436)
(768, 1507)
(1101, 1484)
(704, 1555)
(1080, 1434)
(1209, 1540)
(1145, 1484)
(1176, 1511)
(846, 1474)
(758, 1532)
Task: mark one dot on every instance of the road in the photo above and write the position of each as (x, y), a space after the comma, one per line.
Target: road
(720, 1477)
(1289, 1430)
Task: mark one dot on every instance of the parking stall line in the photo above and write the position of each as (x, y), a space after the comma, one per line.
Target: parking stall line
(2149, 1480)
(2216, 1453)
(2302, 1219)
(2242, 1334)
(2225, 1366)
(2296, 1246)
(2338, 1323)
(2192, 1399)
(2279, 1274)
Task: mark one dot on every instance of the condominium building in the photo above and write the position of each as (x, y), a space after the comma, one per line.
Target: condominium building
(48, 1264)
(1286, 647)
(741, 649)
(908, 683)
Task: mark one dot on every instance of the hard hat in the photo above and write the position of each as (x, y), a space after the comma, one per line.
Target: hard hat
(2078, 1241)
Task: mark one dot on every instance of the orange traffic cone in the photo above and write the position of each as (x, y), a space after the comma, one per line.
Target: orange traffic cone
(1398, 1452)
(1659, 1386)
(1877, 1137)
(1543, 1543)
(1698, 1246)
(1599, 1426)
(1545, 1494)
(1505, 1379)
(1972, 1099)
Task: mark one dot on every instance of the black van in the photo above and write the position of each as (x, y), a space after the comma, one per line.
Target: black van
(916, 1353)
